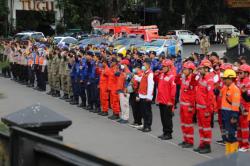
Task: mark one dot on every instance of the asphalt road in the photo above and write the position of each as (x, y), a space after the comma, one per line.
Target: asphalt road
(109, 139)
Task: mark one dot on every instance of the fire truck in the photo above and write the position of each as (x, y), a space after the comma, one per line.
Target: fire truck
(148, 33)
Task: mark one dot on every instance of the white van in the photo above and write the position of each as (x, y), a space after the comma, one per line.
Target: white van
(224, 28)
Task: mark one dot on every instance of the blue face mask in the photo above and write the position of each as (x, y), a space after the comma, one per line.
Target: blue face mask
(143, 68)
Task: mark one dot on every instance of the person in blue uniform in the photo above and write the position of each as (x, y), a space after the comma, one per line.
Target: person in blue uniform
(75, 77)
(90, 80)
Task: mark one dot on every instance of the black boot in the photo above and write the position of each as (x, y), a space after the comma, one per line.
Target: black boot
(90, 108)
(75, 101)
(50, 92)
(57, 94)
(70, 99)
(66, 97)
(114, 117)
(53, 93)
(206, 149)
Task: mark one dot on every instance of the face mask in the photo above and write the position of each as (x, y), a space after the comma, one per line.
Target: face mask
(143, 68)
(221, 74)
(122, 67)
(134, 71)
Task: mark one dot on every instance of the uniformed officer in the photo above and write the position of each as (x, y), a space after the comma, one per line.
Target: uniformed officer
(55, 73)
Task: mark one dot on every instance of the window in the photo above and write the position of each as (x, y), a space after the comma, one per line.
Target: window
(69, 40)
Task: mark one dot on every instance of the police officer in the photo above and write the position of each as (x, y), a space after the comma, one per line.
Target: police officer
(75, 78)
(90, 80)
(55, 73)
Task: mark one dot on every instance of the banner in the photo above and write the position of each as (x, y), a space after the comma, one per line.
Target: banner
(238, 3)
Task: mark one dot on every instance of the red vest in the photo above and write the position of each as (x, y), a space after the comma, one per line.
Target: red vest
(143, 89)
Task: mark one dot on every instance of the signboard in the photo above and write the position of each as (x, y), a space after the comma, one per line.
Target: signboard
(238, 3)
(38, 5)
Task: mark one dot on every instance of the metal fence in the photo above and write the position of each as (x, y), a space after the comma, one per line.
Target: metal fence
(26, 148)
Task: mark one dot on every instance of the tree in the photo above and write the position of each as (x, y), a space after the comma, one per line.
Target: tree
(3, 16)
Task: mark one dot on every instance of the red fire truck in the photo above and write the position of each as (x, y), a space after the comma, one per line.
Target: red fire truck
(148, 33)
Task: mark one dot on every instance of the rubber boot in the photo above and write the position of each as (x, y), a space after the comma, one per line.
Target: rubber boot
(206, 149)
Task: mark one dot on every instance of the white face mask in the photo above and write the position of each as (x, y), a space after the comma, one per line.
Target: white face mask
(221, 74)
(122, 67)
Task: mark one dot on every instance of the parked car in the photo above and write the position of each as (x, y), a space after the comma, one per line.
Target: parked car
(38, 36)
(64, 40)
(163, 46)
(185, 36)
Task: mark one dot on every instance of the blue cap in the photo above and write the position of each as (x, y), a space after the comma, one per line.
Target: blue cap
(42, 46)
(97, 53)
(91, 53)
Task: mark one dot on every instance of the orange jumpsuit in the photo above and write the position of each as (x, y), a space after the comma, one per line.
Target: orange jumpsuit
(104, 94)
(113, 87)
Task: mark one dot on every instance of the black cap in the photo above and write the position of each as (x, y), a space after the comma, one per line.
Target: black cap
(152, 52)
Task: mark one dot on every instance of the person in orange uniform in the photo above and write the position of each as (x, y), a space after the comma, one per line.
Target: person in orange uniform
(243, 132)
(187, 105)
(217, 87)
(103, 84)
(113, 87)
(205, 101)
(123, 78)
(230, 103)
(145, 92)
(166, 98)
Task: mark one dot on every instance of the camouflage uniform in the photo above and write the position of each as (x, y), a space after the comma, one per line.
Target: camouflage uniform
(68, 80)
(49, 69)
(55, 73)
(61, 72)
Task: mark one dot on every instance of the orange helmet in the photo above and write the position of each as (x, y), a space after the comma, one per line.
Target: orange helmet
(226, 66)
(189, 65)
(206, 63)
(244, 68)
(167, 63)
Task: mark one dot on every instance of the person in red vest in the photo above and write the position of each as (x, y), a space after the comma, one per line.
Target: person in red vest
(166, 98)
(103, 84)
(146, 89)
(187, 105)
(243, 131)
(205, 101)
(134, 98)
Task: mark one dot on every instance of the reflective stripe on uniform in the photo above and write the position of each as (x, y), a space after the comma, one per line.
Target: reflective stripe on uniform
(189, 135)
(207, 129)
(184, 103)
(235, 104)
(244, 129)
(203, 83)
(201, 106)
(207, 139)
